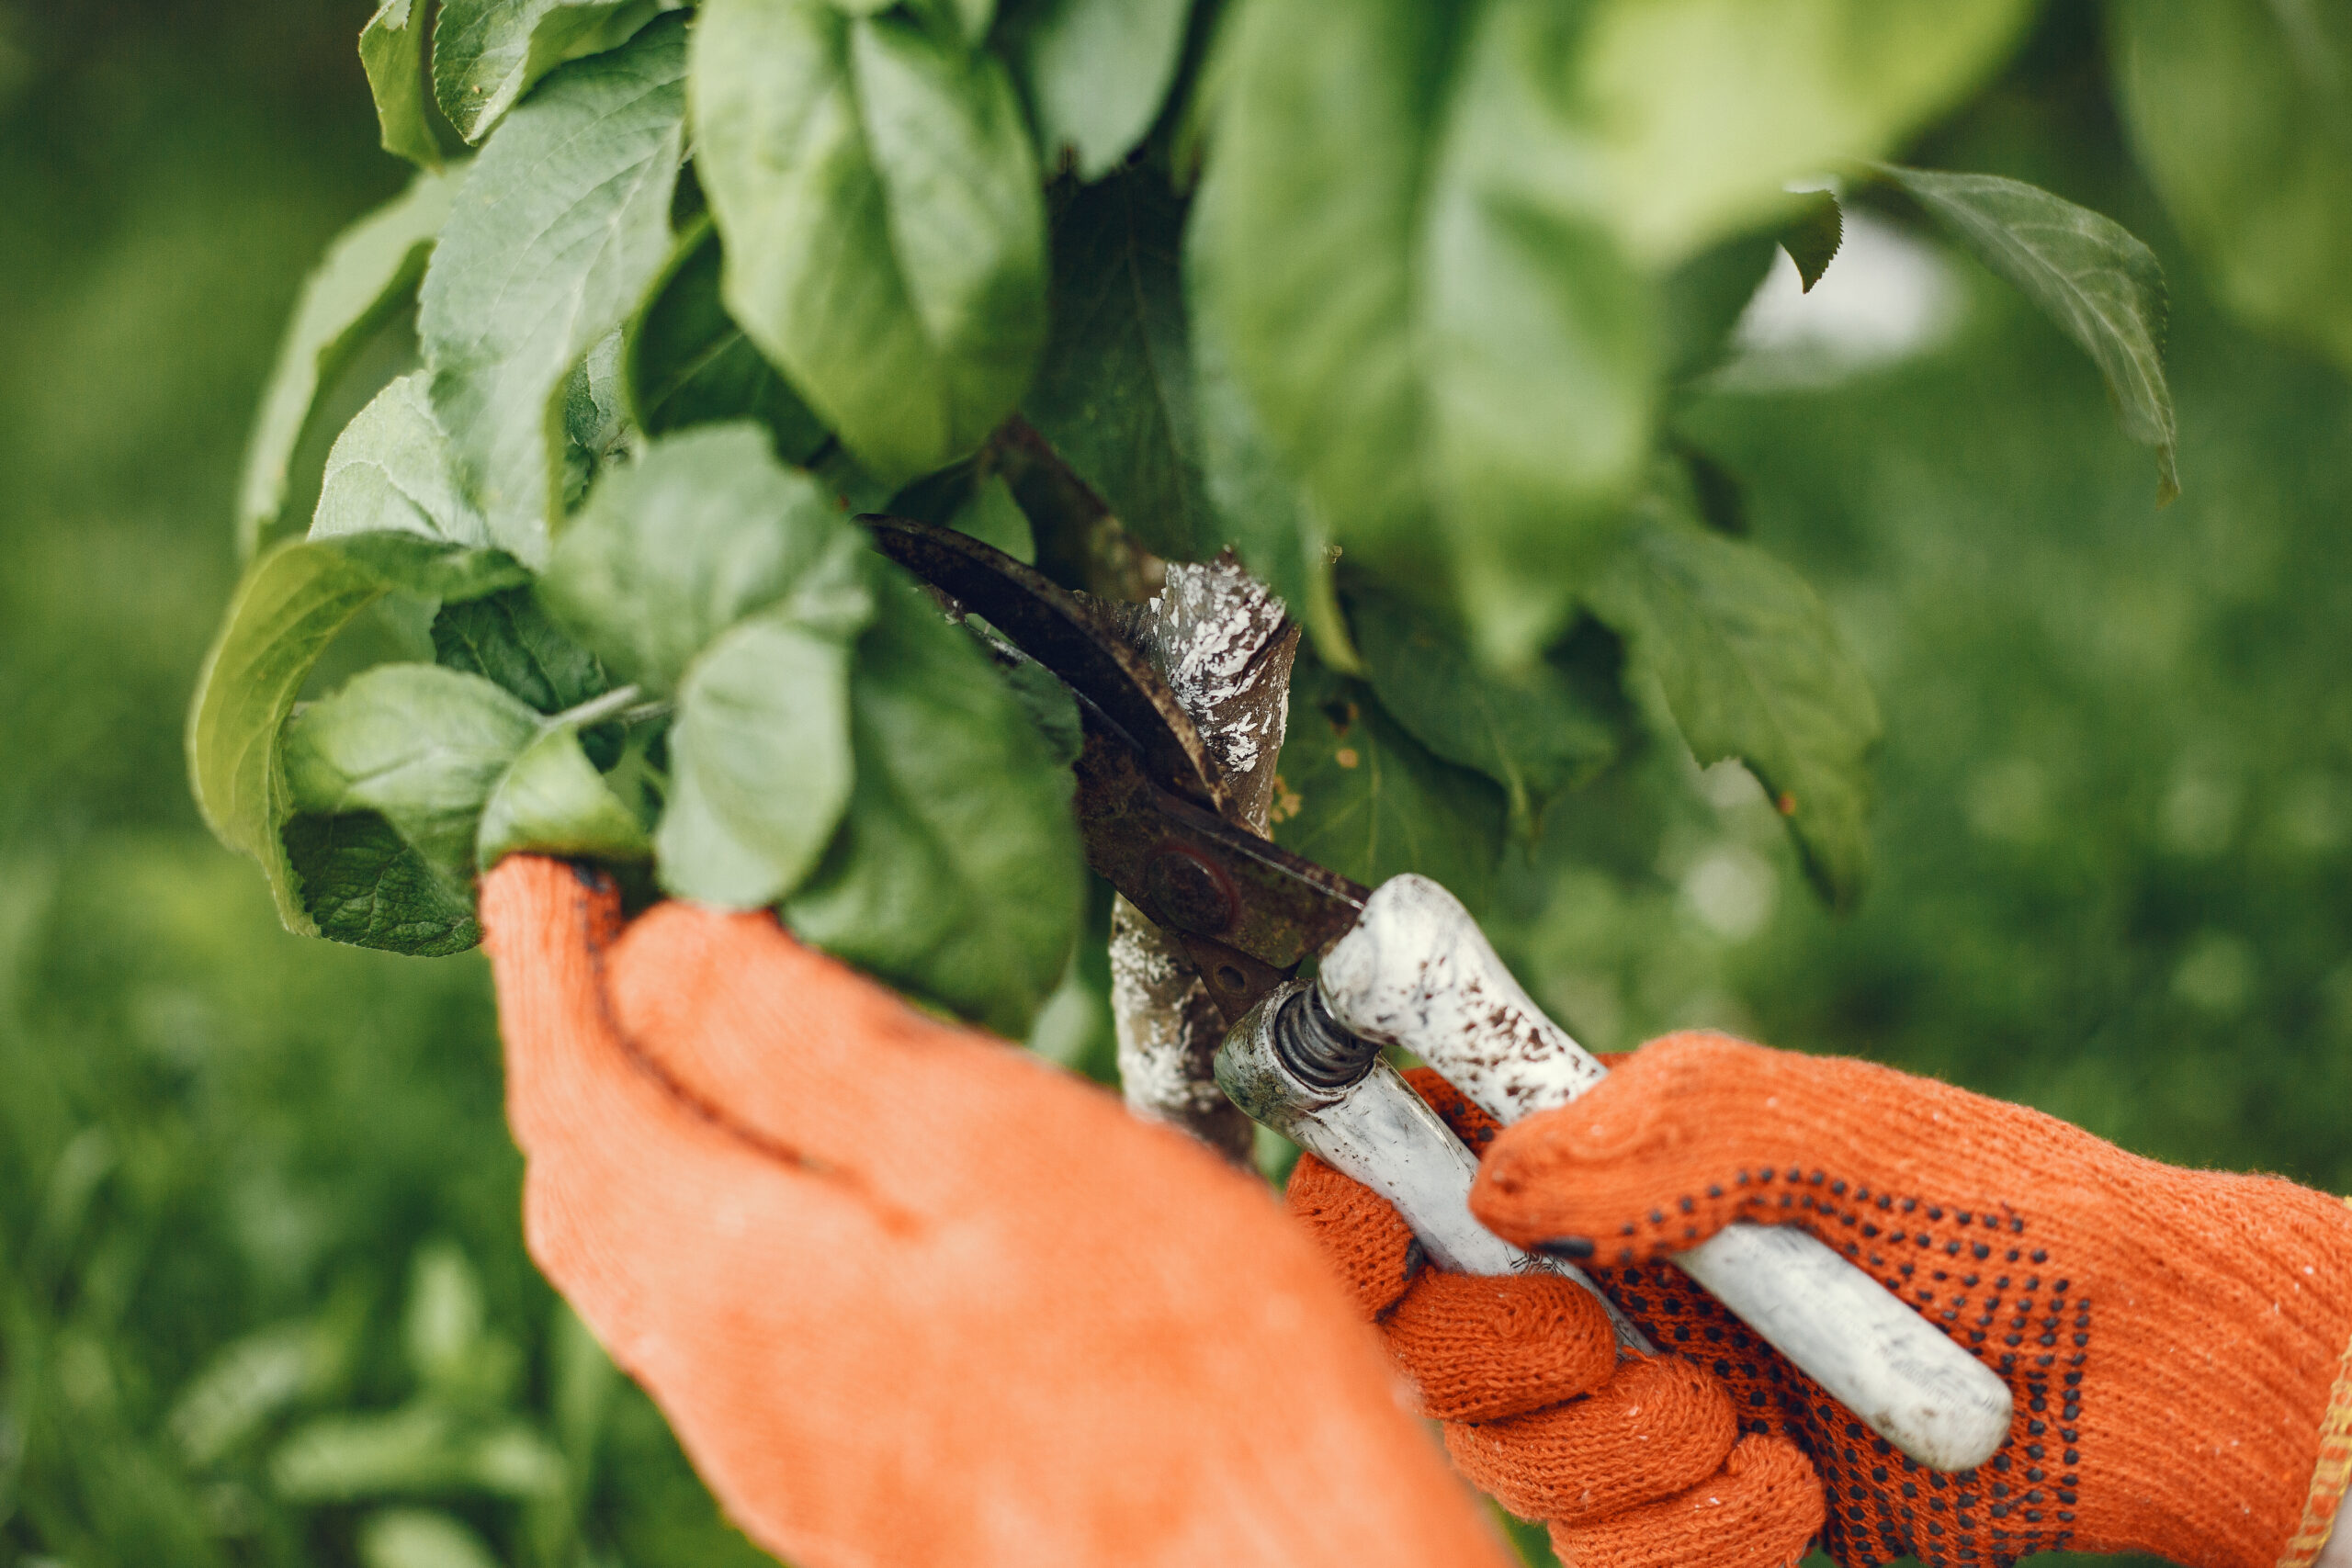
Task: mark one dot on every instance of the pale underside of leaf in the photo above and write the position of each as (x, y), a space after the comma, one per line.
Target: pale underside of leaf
(552, 801)
(760, 765)
(559, 230)
(293, 601)
(368, 275)
(420, 745)
(392, 470)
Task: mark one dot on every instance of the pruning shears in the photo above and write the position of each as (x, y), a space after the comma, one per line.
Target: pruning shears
(1404, 967)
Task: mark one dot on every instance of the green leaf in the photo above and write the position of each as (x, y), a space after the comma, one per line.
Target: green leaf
(423, 1447)
(2240, 113)
(1047, 702)
(707, 529)
(293, 601)
(1752, 668)
(1358, 793)
(488, 53)
(1427, 313)
(992, 515)
(956, 874)
(508, 638)
(1114, 391)
(2103, 288)
(1097, 71)
(1701, 111)
(393, 471)
(688, 363)
(560, 227)
(419, 745)
(419, 1537)
(552, 800)
(358, 882)
(1260, 507)
(367, 276)
(760, 764)
(1702, 298)
(392, 53)
(1813, 237)
(885, 232)
(1532, 732)
(596, 429)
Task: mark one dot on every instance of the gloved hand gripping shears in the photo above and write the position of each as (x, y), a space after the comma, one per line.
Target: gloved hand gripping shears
(1406, 967)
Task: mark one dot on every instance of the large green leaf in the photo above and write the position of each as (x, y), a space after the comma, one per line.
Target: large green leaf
(1259, 506)
(1358, 793)
(760, 764)
(1532, 732)
(418, 744)
(1752, 668)
(2242, 114)
(551, 800)
(367, 276)
(357, 881)
(488, 53)
(558, 231)
(1097, 71)
(956, 874)
(1114, 392)
(393, 471)
(2103, 288)
(1423, 301)
(688, 363)
(884, 227)
(392, 53)
(293, 601)
(1701, 110)
(707, 529)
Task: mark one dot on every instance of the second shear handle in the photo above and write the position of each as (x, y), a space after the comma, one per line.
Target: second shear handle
(1417, 973)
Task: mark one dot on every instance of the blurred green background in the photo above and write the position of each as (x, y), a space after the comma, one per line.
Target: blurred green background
(263, 1297)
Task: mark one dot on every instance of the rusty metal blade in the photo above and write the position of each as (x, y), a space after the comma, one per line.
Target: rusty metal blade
(1070, 635)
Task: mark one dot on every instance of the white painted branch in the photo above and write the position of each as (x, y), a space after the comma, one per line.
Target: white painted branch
(1220, 639)
(1417, 973)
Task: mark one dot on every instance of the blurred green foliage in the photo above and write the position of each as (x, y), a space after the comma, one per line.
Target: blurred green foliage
(261, 1264)
(263, 1296)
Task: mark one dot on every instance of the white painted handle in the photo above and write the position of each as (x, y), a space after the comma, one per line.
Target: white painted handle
(1379, 1132)
(1417, 973)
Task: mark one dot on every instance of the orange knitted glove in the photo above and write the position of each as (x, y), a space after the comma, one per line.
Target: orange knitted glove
(2179, 1343)
(1635, 1464)
(911, 1297)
